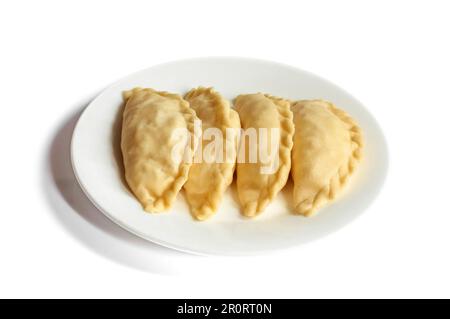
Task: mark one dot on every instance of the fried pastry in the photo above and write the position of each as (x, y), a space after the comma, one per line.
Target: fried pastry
(327, 148)
(156, 161)
(260, 179)
(213, 167)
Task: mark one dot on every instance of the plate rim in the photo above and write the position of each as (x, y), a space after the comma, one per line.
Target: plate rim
(210, 252)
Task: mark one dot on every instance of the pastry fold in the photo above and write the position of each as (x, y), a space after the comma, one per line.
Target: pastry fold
(214, 163)
(327, 148)
(260, 179)
(156, 154)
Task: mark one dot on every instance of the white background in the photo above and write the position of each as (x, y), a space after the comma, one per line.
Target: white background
(56, 56)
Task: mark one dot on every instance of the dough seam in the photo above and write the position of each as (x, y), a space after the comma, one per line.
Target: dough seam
(286, 144)
(217, 102)
(224, 117)
(329, 191)
(189, 115)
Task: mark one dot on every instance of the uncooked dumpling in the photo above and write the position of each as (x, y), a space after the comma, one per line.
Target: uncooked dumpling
(260, 178)
(327, 147)
(156, 153)
(214, 163)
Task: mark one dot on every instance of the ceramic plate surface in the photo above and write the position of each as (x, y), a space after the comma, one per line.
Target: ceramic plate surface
(97, 162)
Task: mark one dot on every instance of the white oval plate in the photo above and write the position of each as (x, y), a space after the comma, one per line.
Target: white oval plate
(97, 162)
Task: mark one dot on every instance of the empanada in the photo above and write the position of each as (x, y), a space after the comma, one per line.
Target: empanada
(260, 179)
(213, 167)
(327, 147)
(156, 160)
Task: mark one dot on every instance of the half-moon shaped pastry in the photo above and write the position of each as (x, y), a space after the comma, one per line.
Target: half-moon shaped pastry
(156, 153)
(260, 178)
(213, 167)
(327, 147)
